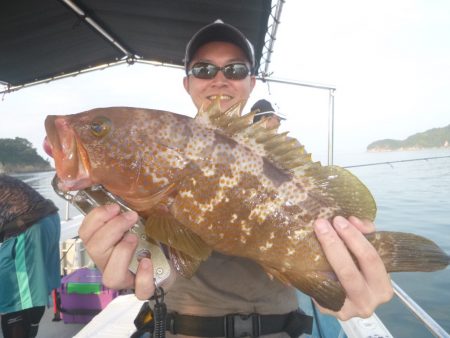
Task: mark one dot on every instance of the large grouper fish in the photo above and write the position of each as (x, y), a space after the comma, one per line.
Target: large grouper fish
(219, 182)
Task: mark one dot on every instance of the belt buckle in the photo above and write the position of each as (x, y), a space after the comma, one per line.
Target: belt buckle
(241, 325)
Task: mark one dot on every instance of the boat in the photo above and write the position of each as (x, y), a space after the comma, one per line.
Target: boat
(53, 39)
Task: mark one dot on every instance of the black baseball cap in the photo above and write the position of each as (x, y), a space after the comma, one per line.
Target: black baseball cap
(219, 31)
(263, 108)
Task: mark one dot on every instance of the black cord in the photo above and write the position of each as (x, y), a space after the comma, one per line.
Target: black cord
(160, 313)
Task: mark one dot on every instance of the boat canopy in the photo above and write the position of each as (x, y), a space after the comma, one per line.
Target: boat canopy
(47, 39)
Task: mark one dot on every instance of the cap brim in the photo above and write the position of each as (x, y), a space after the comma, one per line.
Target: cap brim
(219, 31)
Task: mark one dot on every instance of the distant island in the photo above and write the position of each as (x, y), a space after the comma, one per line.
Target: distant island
(433, 138)
(18, 156)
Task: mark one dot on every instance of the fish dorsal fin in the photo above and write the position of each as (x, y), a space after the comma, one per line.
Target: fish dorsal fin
(284, 152)
(214, 117)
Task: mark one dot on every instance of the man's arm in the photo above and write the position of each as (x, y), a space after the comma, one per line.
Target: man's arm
(366, 287)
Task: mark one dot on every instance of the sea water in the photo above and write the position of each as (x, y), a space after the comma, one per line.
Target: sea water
(411, 197)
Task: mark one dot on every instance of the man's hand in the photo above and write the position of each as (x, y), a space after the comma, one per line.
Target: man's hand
(105, 237)
(366, 287)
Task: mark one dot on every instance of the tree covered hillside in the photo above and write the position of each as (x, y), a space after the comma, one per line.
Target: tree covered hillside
(18, 155)
(433, 138)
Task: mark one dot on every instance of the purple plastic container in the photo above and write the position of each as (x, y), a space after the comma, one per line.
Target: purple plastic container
(83, 295)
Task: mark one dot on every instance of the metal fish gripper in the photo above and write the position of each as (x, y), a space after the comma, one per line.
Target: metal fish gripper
(87, 199)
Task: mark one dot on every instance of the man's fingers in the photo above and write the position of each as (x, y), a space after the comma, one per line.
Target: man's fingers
(365, 226)
(95, 219)
(144, 281)
(117, 275)
(101, 243)
(339, 257)
(369, 261)
(341, 260)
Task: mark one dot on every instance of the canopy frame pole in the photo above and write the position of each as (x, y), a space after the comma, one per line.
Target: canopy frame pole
(272, 36)
(101, 30)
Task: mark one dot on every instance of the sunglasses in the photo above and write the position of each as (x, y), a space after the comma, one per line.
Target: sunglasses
(207, 71)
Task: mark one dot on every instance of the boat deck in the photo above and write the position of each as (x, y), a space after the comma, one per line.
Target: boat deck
(55, 329)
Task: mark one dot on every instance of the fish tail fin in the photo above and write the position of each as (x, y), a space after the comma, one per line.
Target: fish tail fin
(402, 252)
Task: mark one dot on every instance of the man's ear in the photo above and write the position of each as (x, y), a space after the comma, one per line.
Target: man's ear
(186, 83)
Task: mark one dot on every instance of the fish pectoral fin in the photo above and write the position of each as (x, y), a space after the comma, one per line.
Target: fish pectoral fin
(184, 264)
(163, 227)
(320, 285)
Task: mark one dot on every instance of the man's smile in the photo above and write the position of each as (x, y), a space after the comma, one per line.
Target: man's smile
(222, 97)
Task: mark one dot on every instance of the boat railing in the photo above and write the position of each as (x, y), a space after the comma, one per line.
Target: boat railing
(420, 313)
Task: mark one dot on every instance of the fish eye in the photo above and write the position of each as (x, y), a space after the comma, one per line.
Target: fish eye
(100, 126)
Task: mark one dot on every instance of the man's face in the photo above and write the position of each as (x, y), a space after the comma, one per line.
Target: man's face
(272, 121)
(203, 91)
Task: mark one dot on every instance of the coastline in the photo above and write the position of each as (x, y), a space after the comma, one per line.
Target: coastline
(22, 169)
(416, 148)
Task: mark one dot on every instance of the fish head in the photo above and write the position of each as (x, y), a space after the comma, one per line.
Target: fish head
(115, 147)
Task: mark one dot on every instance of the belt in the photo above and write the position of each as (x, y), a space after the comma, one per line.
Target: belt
(238, 325)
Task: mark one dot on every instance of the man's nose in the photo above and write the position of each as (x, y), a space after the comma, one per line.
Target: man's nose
(220, 79)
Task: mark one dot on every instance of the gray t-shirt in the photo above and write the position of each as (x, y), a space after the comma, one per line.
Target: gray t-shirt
(226, 284)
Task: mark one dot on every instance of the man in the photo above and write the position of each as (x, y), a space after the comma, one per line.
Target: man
(220, 63)
(29, 256)
(264, 111)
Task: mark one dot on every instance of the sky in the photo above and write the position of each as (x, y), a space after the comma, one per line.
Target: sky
(389, 61)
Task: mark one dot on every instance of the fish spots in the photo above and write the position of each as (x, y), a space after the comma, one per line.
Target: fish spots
(246, 228)
(290, 252)
(199, 146)
(208, 170)
(326, 212)
(266, 246)
(227, 181)
(300, 234)
(186, 194)
(260, 212)
(286, 266)
(160, 180)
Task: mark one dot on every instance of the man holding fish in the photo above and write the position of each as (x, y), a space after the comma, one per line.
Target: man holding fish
(220, 66)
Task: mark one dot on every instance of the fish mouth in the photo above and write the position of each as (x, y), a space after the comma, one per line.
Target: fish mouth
(71, 159)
